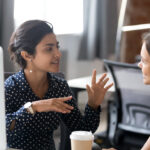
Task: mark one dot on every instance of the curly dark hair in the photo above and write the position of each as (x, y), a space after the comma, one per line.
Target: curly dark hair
(26, 37)
(146, 39)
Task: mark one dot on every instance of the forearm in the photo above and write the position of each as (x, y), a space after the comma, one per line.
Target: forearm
(88, 122)
(92, 117)
(146, 145)
(20, 116)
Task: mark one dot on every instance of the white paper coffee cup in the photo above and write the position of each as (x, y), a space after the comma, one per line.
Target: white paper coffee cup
(81, 140)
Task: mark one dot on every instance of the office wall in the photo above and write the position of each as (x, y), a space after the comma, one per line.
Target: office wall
(74, 67)
(70, 44)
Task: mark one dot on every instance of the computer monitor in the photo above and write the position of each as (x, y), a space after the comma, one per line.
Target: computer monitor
(2, 105)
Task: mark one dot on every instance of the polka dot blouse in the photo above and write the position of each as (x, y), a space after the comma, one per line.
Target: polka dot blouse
(35, 132)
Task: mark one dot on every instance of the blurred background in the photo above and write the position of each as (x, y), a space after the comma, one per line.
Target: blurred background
(86, 30)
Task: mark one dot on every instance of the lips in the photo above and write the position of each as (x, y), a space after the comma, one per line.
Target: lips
(55, 62)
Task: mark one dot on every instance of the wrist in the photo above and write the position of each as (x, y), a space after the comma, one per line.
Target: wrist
(28, 107)
(94, 106)
(34, 106)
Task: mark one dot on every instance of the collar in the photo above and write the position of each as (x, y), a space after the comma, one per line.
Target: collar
(20, 78)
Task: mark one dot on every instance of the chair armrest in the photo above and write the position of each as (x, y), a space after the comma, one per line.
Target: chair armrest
(112, 121)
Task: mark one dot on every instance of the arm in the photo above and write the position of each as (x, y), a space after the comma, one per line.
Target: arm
(18, 118)
(90, 120)
(146, 145)
(75, 120)
(15, 115)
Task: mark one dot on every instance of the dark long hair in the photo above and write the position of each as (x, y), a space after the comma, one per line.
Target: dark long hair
(26, 38)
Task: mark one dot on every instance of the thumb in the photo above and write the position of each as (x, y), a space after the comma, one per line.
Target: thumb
(88, 89)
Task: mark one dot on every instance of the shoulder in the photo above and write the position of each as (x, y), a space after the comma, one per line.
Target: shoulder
(12, 81)
(60, 86)
(58, 81)
(58, 78)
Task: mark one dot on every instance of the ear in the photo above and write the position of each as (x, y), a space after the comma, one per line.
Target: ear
(26, 56)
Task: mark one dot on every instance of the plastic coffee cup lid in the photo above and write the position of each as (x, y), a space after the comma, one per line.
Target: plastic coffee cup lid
(81, 135)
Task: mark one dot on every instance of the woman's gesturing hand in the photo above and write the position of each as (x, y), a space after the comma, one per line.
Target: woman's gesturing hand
(97, 90)
(53, 104)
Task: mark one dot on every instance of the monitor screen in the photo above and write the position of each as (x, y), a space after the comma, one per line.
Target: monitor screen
(2, 104)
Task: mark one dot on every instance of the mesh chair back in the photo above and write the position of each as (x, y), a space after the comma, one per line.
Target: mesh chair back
(132, 97)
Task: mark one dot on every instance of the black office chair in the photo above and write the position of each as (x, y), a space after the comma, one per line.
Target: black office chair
(129, 112)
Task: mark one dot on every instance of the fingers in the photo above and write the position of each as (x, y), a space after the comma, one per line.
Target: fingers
(102, 81)
(88, 89)
(66, 106)
(102, 78)
(94, 77)
(109, 86)
(61, 106)
(62, 109)
(54, 104)
(64, 98)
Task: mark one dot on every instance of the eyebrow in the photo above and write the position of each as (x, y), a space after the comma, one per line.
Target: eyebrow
(51, 44)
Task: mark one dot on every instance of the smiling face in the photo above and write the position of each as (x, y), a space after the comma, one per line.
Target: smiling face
(145, 64)
(47, 56)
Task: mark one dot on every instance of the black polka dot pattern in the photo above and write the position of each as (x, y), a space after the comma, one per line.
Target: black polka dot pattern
(35, 132)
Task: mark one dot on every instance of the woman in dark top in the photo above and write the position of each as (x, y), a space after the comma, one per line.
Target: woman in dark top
(36, 100)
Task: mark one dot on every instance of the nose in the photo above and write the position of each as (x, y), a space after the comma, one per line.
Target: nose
(140, 64)
(58, 54)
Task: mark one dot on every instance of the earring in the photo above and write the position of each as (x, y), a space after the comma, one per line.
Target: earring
(30, 69)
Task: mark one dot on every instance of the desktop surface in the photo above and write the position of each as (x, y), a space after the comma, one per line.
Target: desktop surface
(80, 83)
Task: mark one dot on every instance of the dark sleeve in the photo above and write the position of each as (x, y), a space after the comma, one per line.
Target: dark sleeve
(76, 121)
(21, 116)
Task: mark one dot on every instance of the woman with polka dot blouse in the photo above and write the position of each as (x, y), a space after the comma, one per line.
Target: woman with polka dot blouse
(36, 99)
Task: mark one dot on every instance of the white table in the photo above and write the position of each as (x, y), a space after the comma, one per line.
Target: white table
(80, 83)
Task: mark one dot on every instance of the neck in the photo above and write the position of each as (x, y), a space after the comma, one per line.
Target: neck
(36, 80)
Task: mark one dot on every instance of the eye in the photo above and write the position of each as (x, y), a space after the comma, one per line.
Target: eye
(142, 60)
(58, 46)
(49, 49)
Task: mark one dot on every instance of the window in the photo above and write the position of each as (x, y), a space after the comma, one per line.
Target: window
(65, 15)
